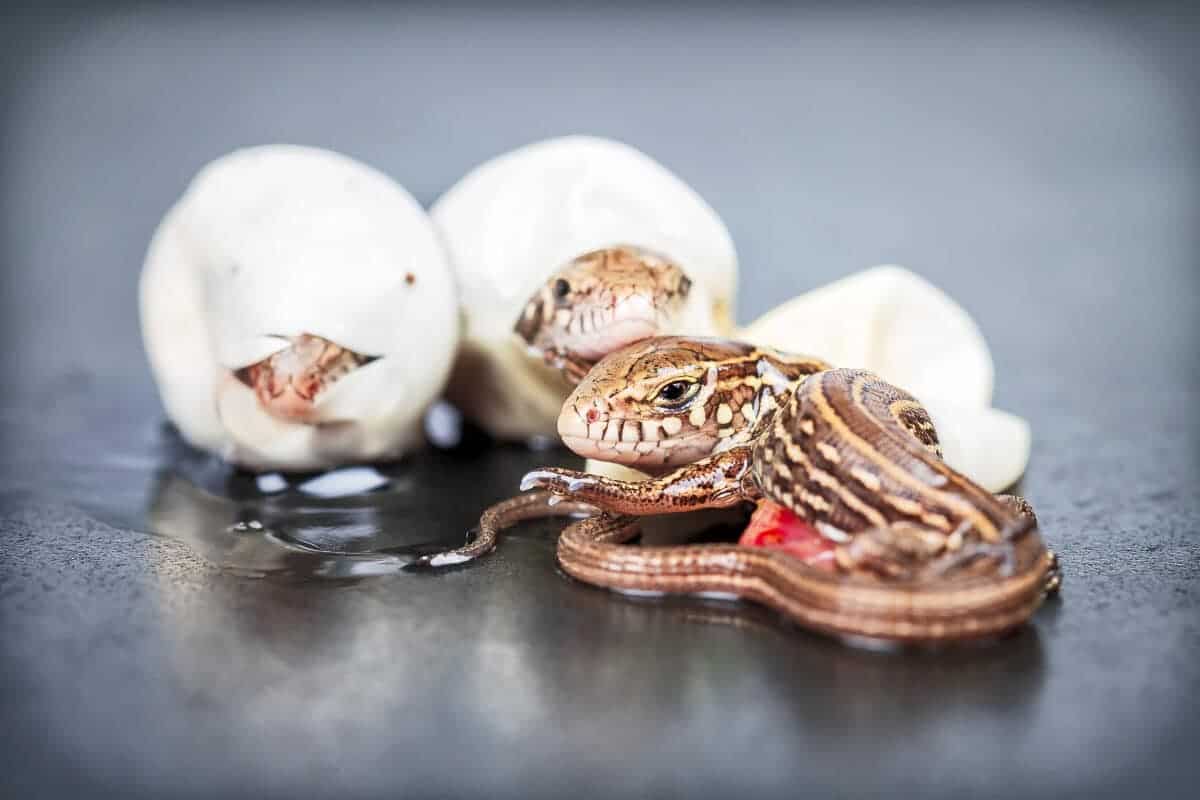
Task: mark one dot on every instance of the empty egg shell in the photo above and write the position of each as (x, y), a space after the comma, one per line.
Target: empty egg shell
(904, 329)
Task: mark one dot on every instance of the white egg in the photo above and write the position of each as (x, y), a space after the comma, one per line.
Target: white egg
(512, 221)
(988, 445)
(280, 241)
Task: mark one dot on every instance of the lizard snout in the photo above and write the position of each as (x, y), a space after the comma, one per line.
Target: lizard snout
(581, 421)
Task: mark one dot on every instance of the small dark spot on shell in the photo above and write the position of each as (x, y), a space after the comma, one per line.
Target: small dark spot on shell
(409, 278)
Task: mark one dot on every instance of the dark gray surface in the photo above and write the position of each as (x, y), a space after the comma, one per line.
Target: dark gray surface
(1040, 165)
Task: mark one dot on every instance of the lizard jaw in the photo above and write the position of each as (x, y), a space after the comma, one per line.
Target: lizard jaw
(641, 454)
(612, 336)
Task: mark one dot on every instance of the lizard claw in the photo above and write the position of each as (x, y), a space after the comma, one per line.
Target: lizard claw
(554, 480)
(558, 481)
(538, 479)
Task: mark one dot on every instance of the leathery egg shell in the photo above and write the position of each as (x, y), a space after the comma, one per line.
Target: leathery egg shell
(512, 221)
(277, 241)
(901, 327)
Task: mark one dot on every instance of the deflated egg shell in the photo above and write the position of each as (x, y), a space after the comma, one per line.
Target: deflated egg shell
(512, 221)
(904, 329)
(277, 241)
(892, 322)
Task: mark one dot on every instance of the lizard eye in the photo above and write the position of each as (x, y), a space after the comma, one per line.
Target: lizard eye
(676, 393)
(561, 288)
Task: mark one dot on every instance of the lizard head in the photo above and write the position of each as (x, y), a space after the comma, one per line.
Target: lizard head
(289, 382)
(661, 403)
(604, 300)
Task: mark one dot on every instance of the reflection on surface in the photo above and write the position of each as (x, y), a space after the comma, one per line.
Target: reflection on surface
(345, 523)
(274, 534)
(351, 522)
(510, 648)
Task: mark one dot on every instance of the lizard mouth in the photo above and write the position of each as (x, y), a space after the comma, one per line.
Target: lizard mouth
(641, 453)
(594, 343)
(591, 331)
(289, 383)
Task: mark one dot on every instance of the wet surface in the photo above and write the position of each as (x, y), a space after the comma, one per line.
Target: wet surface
(135, 471)
(1037, 164)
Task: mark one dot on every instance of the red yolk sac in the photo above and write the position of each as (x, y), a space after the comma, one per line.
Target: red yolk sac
(775, 527)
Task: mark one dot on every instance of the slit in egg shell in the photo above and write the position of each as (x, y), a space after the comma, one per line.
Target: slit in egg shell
(314, 279)
(290, 382)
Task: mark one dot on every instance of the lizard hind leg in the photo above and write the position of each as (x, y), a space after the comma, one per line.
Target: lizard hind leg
(718, 481)
(906, 552)
(898, 552)
(1054, 574)
(912, 553)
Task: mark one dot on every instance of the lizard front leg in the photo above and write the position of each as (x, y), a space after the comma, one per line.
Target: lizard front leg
(718, 481)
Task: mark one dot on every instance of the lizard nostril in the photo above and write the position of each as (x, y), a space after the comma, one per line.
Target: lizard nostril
(591, 415)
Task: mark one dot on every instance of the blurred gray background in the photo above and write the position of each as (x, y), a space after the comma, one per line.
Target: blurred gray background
(1052, 149)
(1041, 164)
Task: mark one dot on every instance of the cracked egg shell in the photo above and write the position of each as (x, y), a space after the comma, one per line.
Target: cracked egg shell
(515, 219)
(277, 241)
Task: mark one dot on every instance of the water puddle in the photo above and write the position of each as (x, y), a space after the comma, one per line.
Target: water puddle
(125, 466)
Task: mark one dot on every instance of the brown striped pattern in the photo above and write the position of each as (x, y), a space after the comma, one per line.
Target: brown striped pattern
(924, 553)
(613, 414)
(866, 452)
(968, 607)
(965, 606)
